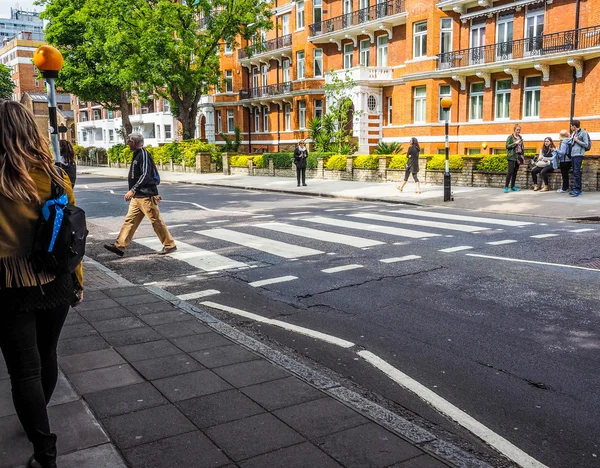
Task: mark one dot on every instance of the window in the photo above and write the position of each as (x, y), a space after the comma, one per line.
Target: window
(286, 71)
(445, 41)
(230, 122)
(37, 84)
(372, 103)
(265, 119)
(299, 15)
(228, 49)
(534, 29)
(471, 151)
(228, 81)
(256, 120)
(255, 77)
(302, 114)
(84, 117)
(318, 106)
(168, 135)
(96, 114)
(300, 65)
(445, 91)
(533, 87)
(420, 103)
(318, 59)
(389, 110)
(317, 15)
(285, 25)
(265, 68)
(166, 106)
(504, 35)
(477, 41)
(158, 132)
(382, 51)
(476, 101)
(84, 136)
(502, 110)
(111, 114)
(365, 53)
(288, 117)
(219, 122)
(111, 135)
(420, 38)
(348, 48)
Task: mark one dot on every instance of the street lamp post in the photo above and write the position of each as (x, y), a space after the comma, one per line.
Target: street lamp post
(446, 104)
(49, 61)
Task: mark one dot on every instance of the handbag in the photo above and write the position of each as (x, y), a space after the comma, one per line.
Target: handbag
(542, 163)
(520, 159)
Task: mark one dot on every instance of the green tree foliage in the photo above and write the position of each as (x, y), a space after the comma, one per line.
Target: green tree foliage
(388, 148)
(6, 83)
(232, 145)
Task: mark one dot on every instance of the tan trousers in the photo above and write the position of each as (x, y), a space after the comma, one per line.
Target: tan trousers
(138, 208)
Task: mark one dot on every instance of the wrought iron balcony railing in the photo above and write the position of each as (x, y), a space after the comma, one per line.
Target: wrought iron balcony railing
(355, 18)
(547, 44)
(266, 46)
(273, 90)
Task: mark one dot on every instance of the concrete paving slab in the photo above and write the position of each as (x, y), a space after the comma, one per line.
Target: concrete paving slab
(124, 292)
(191, 385)
(124, 400)
(224, 356)
(97, 304)
(74, 318)
(282, 393)
(198, 342)
(251, 373)
(90, 360)
(125, 323)
(102, 456)
(181, 328)
(150, 350)
(95, 295)
(423, 461)
(77, 330)
(75, 427)
(80, 345)
(161, 318)
(104, 378)
(167, 366)
(132, 336)
(298, 456)
(151, 308)
(63, 393)
(142, 298)
(105, 314)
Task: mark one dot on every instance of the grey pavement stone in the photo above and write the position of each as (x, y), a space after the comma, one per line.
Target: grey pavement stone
(149, 350)
(219, 408)
(191, 385)
(75, 427)
(143, 298)
(198, 342)
(123, 400)
(320, 417)
(105, 314)
(297, 456)
(368, 445)
(160, 318)
(151, 308)
(81, 345)
(77, 330)
(73, 318)
(147, 425)
(423, 461)
(124, 292)
(131, 337)
(102, 456)
(91, 360)
(97, 304)
(94, 295)
(63, 393)
(253, 436)
(191, 450)
(282, 393)
(104, 378)
(251, 373)
(181, 328)
(15, 449)
(167, 366)
(224, 356)
(125, 323)
(6, 403)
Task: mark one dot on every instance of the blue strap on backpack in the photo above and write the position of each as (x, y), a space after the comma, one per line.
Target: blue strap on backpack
(60, 203)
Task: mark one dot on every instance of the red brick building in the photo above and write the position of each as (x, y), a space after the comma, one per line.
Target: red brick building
(17, 54)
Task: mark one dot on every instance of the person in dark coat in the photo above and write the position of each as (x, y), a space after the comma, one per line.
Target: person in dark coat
(67, 154)
(515, 150)
(412, 166)
(300, 157)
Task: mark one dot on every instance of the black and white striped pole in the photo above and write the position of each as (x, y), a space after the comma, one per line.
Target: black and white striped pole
(446, 104)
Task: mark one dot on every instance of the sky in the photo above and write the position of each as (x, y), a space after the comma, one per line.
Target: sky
(6, 5)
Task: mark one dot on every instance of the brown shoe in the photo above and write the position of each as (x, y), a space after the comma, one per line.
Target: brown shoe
(545, 189)
(167, 250)
(535, 188)
(114, 249)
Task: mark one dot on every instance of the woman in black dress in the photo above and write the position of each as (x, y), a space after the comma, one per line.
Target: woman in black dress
(412, 166)
(300, 156)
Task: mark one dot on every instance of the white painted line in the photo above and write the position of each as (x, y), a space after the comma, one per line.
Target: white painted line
(280, 249)
(456, 249)
(320, 235)
(399, 259)
(192, 276)
(419, 222)
(474, 219)
(219, 221)
(278, 323)
(533, 262)
(301, 212)
(85, 186)
(341, 268)
(367, 207)
(341, 209)
(177, 225)
(445, 407)
(112, 192)
(150, 283)
(90, 236)
(394, 231)
(543, 236)
(281, 279)
(194, 256)
(196, 295)
(573, 230)
(262, 216)
(502, 242)
(113, 233)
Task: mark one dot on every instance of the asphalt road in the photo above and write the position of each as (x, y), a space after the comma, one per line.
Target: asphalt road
(515, 345)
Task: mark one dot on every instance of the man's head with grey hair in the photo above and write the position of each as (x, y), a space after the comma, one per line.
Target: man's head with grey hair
(136, 140)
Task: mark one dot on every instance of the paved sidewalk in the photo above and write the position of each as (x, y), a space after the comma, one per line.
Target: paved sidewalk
(153, 382)
(492, 200)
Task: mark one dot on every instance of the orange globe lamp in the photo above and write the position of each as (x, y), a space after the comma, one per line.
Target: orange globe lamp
(446, 103)
(48, 60)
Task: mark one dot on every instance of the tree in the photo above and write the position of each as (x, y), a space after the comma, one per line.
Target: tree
(6, 83)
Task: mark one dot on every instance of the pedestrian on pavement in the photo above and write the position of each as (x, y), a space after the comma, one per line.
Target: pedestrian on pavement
(412, 165)
(515, 150)
(67, 155)
(543, 165)
(563, 159)
(581, 144)
(300, 157)
(143, 200)
(34, 307)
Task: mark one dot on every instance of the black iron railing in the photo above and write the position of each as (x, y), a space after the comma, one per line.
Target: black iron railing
(278, 89)
(266, 46)
(547, 44)
(372, 13)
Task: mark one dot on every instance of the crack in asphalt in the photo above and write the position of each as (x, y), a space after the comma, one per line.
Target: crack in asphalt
(533, 383)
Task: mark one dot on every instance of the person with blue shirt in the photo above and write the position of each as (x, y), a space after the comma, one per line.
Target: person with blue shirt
(581, 144)
(562, 159)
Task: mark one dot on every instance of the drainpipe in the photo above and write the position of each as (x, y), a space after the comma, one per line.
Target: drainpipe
(574, 78)
(249, 115)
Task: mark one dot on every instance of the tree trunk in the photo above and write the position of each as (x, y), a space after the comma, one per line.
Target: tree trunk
(127, 127)
(187, 114)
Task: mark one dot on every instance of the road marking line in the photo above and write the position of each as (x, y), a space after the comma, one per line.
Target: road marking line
(399, 259)
(150, 283)
(196, 295)
(502, 242)
(341, 209)
(301, 212)
(543, 236)
(177, 225)
(456, 249)
(576, 230)
(533, 262)
(219, 221)
(281, 279)
(475, 219)
(420, 222)
(320, 235)
(112, 192)
(394, 231)
(341, 268)
(280, 249)
(262, 216)
(278, 323)
(113, 233)
(445, 407)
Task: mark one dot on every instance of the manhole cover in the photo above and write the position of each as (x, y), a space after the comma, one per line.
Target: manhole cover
(593, 263)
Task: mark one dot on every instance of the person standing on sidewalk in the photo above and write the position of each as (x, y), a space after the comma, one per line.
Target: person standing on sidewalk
(34, 307)
(563, 159)
(514, 147)
(300, 157)
(412, 165)
(143, 200)
(67, 154)
(581, 144)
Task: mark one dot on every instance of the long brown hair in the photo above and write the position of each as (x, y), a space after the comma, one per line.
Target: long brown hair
(67, 153)
(22, 148)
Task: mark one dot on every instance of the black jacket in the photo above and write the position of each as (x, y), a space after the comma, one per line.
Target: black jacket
(70, 169)
(300, 157)
(413, 159)
(143, 175)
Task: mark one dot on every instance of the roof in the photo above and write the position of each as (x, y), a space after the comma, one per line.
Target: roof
(60, 98)
(68, 114)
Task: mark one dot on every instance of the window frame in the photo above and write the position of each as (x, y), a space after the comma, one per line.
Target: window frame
(230, 121)
(389, 105)
(256, 120)
(534, 90)
(300, 15)
(317, 59)
(219, 122)
(348, 55)
(419, 40)
(441, 95)
(300, 69)
(503, 93)
(318, 109)
(302, 115)
(287, 117)
(443, 31)
(265, 119)
(419, 105)
(229, 81)
(476, 96)
(168, 132)
(382, 45)
(364, 52)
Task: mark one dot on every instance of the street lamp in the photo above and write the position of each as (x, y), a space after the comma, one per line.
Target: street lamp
(49, 61)
(446, 104)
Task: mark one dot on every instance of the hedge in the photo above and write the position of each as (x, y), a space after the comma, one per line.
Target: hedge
(336, 162)
(259, 161)
(238, 161)
(280, 160)
(398, 161)
(493, 163)
(366, 161)
(438, 162)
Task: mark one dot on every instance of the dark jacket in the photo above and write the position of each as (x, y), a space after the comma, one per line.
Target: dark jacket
(413, 159)
(579, 147)
(142, 175)
(70, 169)
(300, 157)
(511, 148)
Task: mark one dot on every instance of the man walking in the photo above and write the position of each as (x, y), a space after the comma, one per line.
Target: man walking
(143, 200)
(581, 144)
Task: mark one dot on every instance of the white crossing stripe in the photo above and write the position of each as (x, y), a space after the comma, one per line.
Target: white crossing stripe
(280, 249)
(420, 222)
(517, 260)
(281, 279)
(371, 227)
(474, 219)
(218, 221)
(196, 295)
(320, 235)
(262, 216)
(341, 268)
(456, 249)
(194, 256)
(399, 259)
(573, 230)
(502, 242)
(543, 236)
(177, 225)
(300, 212)
(341, 209)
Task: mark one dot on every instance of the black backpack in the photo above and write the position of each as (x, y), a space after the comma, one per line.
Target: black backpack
(60, 236)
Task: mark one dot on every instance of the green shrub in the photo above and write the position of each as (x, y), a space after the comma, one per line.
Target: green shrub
(259, 160)
(239, 161)
(114, 153)
(398, 161)
(126, 155)
(366, 161)
(311, 161)
(280, 160)
(336, 162)
(388, 148)
(493, 163)
(438, 162)
(78, 151)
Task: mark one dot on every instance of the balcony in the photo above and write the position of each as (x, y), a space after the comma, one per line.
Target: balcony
(267, 50)
(383, 16)
(278, 90)
(372, 76)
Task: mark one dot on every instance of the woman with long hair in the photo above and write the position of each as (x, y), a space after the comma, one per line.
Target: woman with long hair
(514, 148)
(300, 158)
(412, 166)
(34, 303)
(67, 154)
(544, 164)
